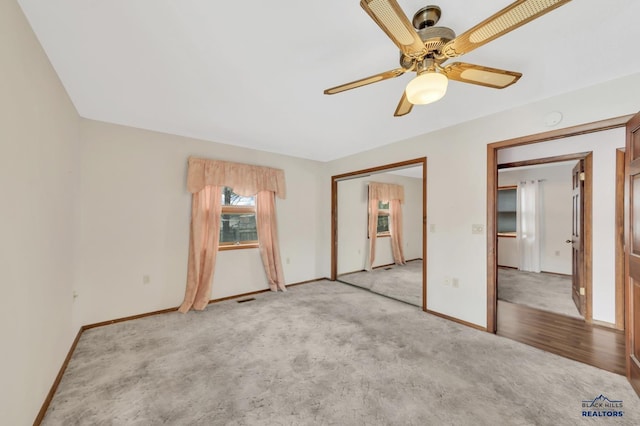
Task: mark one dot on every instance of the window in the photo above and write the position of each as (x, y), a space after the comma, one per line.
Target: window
(383, 219)
(238, 221)
(507, 211)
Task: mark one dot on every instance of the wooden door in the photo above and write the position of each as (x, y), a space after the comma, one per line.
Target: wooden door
(577, 235)
(632, 225)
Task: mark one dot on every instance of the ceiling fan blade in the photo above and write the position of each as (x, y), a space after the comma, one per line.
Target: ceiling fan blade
(508, 19)
(390, 17)
(483, 76)
(404, 106)
(364, 81)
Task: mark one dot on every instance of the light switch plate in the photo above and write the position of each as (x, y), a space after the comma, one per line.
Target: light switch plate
(477, 229)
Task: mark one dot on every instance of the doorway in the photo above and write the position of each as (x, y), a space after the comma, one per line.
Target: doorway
(351, 231)
(544, 234)
(601, 342)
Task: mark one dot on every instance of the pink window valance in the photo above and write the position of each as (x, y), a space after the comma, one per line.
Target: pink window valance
(386, 191)
(244, 179)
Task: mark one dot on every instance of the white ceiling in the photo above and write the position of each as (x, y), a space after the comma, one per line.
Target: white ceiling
(252, 73)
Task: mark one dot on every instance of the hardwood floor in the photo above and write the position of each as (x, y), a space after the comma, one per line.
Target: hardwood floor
(569, 337)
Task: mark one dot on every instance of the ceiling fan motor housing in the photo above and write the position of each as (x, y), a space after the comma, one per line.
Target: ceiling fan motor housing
(434, 38)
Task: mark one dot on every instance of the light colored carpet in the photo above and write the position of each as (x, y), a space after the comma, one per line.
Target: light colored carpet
(548, 292)
(322, 353)
(402, 282)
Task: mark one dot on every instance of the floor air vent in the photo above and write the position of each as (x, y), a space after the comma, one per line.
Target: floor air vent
(246, 300)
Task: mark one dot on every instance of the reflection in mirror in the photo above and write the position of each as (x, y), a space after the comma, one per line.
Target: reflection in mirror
(396, 270)
(535, 256)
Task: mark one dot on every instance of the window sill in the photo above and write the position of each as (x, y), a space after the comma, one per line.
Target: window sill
(237, 246)
(507, 234)
(383, 234)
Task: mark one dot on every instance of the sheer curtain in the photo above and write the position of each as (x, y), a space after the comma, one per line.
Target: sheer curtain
(206, 207)
(373, 229)
(268, 239)
(395, 195)
(205, 180)
(395, 230)
(528, 226)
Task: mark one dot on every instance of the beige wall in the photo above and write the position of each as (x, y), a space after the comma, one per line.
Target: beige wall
(135, 222)
(38, 177)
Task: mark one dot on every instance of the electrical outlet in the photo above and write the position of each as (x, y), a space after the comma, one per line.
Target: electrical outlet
(557, 252)
(455, 283)
(447, 281)
(477, 228)
(432, 227)
(288, 261)
(146, 279)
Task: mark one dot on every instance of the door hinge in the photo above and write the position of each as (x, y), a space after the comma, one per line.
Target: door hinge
(582, 291)
(582, 176)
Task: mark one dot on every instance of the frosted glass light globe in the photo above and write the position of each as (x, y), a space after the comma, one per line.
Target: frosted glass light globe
(426, 88)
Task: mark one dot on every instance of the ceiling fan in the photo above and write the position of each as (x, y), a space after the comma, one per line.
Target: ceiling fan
(424, 47)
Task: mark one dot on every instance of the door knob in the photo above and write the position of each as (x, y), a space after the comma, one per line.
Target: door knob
(568, 241)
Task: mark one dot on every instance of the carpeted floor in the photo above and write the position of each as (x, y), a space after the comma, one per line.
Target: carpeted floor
(402, 282)
(548, 292)
(322, 353)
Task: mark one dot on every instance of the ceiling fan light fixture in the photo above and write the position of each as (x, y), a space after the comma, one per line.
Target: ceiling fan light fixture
(426, 88)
